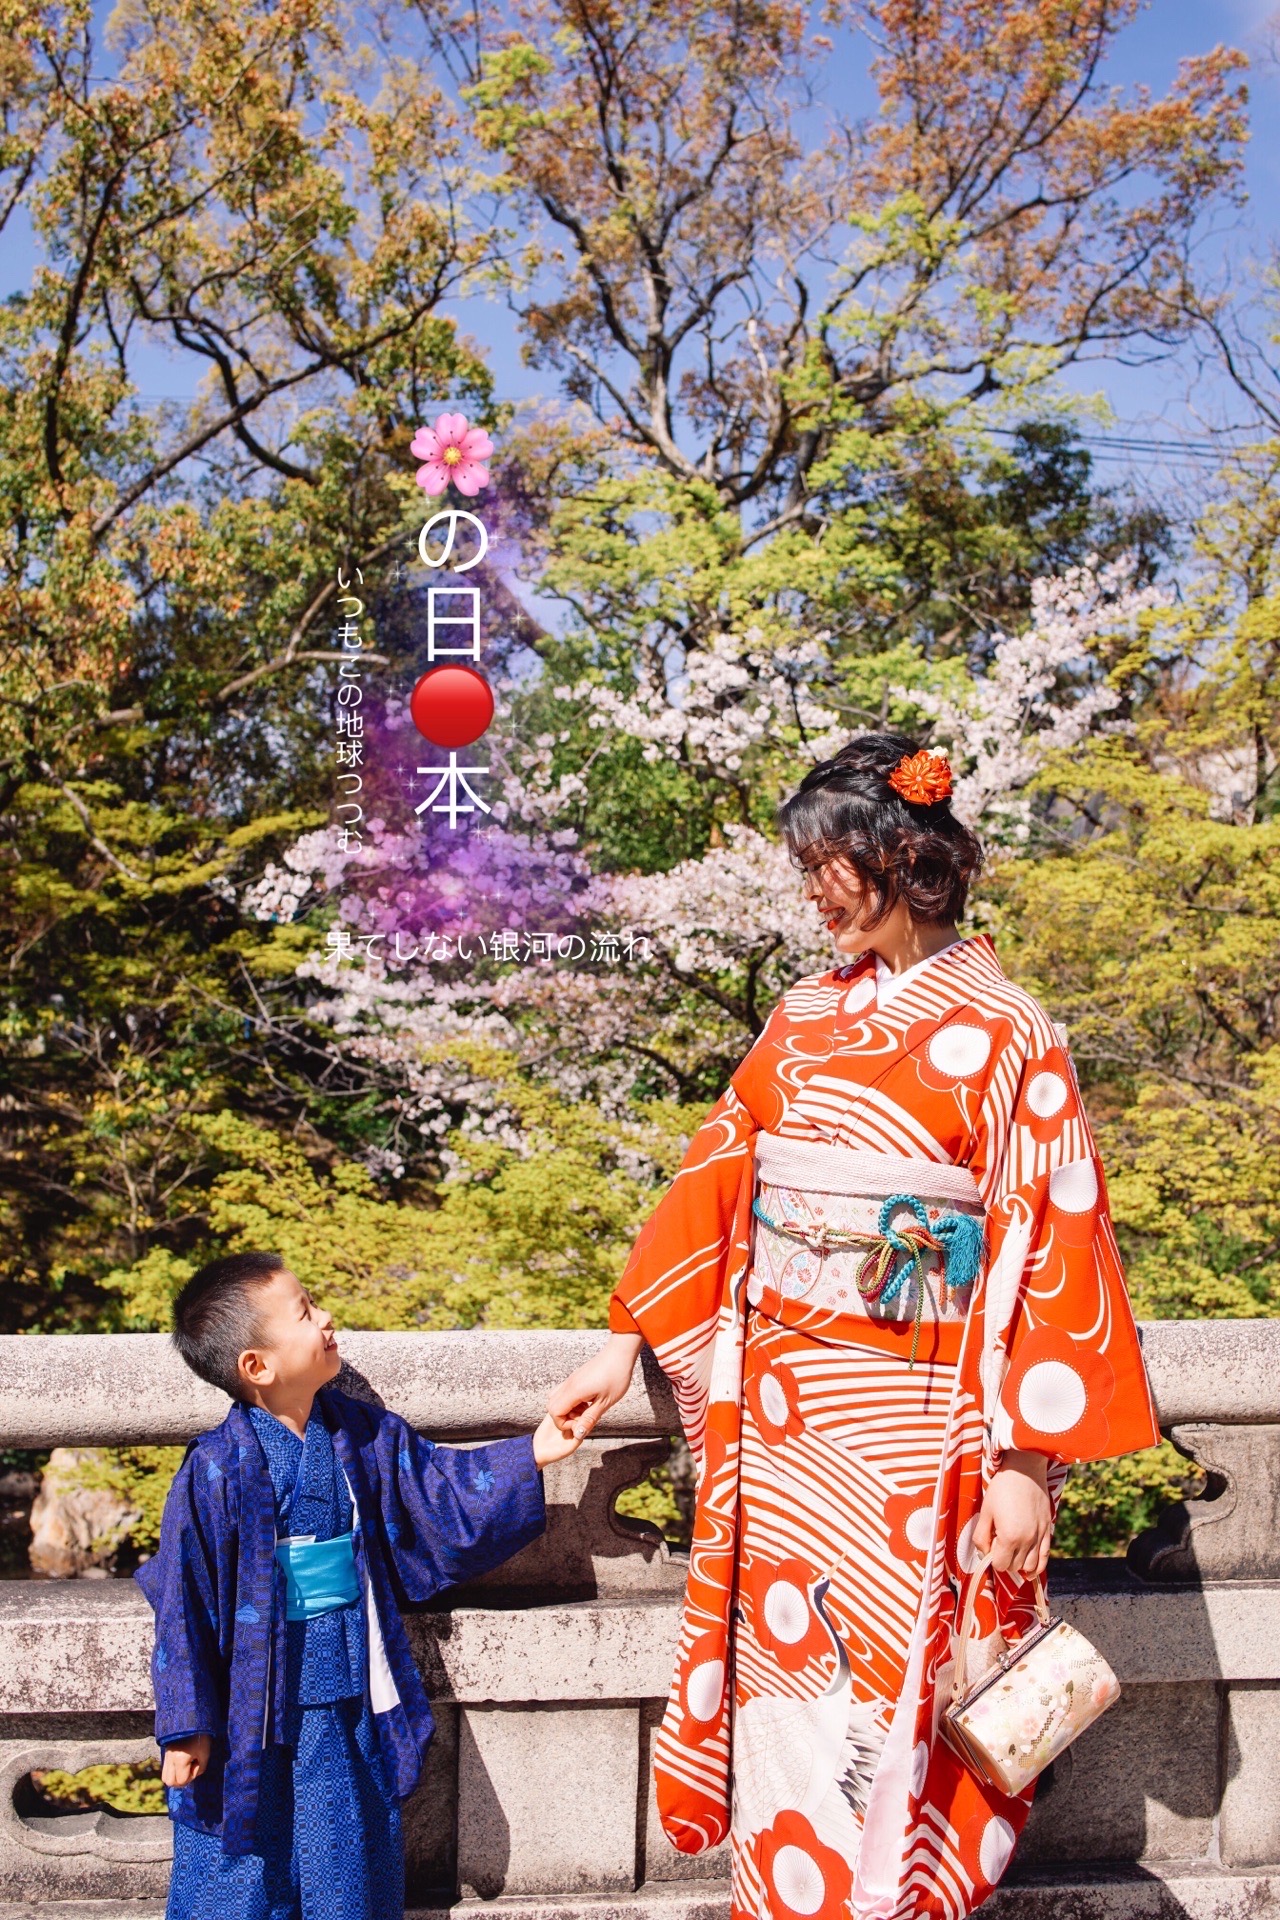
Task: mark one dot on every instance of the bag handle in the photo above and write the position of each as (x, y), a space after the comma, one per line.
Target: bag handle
(966, 1620)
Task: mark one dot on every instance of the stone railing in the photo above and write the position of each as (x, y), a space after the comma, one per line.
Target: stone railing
(549, 1676)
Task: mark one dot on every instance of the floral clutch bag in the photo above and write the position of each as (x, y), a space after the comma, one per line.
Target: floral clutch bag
(1040, 1695)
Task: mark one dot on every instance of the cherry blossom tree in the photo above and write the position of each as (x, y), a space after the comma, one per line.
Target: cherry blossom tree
(414, 982)
(1044, 691)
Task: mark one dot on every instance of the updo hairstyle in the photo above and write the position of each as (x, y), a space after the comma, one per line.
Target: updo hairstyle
(901, 850)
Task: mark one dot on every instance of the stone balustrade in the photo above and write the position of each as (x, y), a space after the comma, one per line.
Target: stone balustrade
(549, 1675)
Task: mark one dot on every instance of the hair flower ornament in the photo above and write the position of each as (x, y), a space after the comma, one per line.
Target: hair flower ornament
(452, 451)
(922, 778)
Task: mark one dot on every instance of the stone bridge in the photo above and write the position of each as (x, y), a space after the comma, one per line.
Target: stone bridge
(549, 1676)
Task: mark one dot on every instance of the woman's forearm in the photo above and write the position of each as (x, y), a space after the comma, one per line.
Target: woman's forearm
(598, 1384)
(1034, 1465)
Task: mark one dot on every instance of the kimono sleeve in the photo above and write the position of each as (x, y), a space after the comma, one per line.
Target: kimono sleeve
(453, 1513)
(672, 1285)
(181, 1583)
(1062, 1364)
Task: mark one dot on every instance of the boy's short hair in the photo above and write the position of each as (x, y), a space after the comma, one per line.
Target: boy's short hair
(214, 1318)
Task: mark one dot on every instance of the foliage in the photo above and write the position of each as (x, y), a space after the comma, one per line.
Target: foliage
(224, 193)
(812, 472)
(795, 361)
(524, 1238)
(1106, 1502)
(982, 204)
(653, 1499)
(667, 1497)
(125, 1788)
(1150, 921)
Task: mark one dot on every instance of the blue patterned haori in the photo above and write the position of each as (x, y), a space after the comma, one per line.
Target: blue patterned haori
(319, 1725)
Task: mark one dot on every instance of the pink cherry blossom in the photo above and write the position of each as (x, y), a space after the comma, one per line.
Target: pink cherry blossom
(453, 451)
(446, 1036)
(1040, 694)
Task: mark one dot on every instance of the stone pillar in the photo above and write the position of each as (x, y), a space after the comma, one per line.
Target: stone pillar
(588, 1550)
(547, 1800)
(1249, 1822)
(1139, 1784)
(95, 1855)
(429, 1818)
(1233, 1532)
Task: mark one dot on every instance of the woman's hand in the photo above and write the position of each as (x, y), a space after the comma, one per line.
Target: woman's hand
(185, 1760)
(598, 1384)
(1016, 1521)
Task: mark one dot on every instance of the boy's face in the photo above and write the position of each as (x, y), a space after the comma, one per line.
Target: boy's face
(296, 1351)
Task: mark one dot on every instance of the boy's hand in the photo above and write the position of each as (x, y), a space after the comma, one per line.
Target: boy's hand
(185, 1760)
(554, 1442)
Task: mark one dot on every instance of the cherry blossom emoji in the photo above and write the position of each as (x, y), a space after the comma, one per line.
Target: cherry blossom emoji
(452, 452)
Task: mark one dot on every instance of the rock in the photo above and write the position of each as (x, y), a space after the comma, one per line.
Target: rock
(18, 1489)
(77, 1526)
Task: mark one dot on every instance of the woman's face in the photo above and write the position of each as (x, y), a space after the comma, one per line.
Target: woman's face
(840, 899)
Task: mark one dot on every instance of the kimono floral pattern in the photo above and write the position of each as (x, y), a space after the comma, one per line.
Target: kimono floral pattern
(839, 1484)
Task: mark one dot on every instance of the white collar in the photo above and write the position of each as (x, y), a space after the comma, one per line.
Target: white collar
(890, 984)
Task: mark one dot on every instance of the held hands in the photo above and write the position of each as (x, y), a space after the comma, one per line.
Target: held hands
(1016, 1521)
(185, 1760)
(579, 1402)
(552, 1442)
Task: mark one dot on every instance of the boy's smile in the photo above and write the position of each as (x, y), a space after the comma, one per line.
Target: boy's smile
(295, 1352)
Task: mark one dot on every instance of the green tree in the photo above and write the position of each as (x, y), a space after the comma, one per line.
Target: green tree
(233, 195)
(801, 346)
(811, 399)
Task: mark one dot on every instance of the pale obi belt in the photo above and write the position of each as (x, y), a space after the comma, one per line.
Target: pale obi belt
(320, 1575)
(876, 1235)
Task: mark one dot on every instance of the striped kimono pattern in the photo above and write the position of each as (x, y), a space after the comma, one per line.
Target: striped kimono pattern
(839, 1482)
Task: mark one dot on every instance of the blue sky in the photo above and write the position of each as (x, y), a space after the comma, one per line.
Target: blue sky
(1148, 53)
(1174, 398)
(1171, 398)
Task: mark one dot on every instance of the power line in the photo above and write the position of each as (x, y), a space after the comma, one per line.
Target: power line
(1207, 448)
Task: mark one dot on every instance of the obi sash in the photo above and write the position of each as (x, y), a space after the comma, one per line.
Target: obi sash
(875, 1245)
(821, 1167)
(320, 1575)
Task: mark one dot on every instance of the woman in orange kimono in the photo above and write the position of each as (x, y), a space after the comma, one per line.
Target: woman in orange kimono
(886, 1288)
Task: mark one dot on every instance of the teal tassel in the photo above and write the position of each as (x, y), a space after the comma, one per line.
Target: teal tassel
(961, 1238)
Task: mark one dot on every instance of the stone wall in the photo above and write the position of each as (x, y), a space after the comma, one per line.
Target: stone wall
(549, 1676)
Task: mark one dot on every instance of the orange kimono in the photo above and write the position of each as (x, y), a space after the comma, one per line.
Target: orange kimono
(843, 1454)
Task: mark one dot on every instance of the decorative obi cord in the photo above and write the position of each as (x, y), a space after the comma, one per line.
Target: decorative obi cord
(320, 1575)
(877, 1235)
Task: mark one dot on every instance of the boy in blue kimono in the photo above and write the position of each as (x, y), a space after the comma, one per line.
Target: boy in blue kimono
(292, 1718)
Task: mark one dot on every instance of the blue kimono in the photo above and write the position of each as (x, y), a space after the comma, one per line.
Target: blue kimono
(319, 1726)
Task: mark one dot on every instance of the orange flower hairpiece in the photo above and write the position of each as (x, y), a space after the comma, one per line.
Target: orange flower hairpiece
(922, 778)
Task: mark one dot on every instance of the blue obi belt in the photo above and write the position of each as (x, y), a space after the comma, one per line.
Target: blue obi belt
(320, 1575)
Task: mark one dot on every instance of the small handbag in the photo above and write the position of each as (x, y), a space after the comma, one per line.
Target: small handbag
(1042, 1692)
